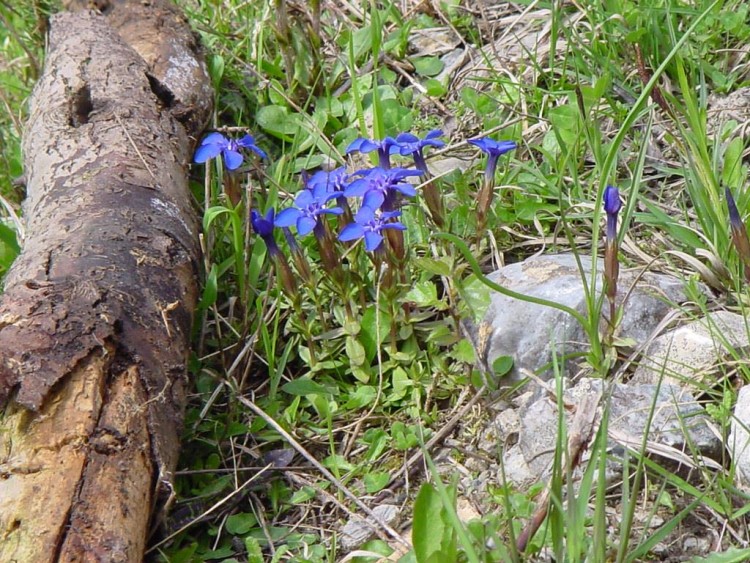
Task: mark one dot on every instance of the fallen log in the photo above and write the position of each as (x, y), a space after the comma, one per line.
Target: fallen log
(96, 312)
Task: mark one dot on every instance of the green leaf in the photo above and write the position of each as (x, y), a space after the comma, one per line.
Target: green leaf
(423, 293)
(306, 386)
(210, 291)
(502, 365)
(427, 66)
(361, 373)
(463, 351)
(403, 437)
(401, 383)
(477, 295)
(355, 351)
(362, 396)
(395, 116)
(222, 553)
(429, 528)
(303, 495)
(435, 88)
(440, 267)
(278, 121)
(215, 69)
(241, 523)
(377, 441)
(377, 31)
(376, 480)
(369, 336)
(337, 463)
(732, 174)
(732, 555)
(254, 552)
(566, 123)
(9, 248)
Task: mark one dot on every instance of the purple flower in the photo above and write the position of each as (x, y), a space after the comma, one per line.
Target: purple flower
(612, 206)
(411, 145)
(263, 227)
(309, 205)
(735, 220)
(368, 224)
(379, 186)
(385, 147)
(493, 149)
(335, 180)
(215, 144)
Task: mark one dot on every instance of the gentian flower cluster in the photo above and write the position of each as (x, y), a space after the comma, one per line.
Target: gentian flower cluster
(367, 202)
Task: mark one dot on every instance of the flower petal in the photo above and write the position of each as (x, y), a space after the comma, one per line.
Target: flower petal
(205, 152)
(305, 225)
(357, 188)
(406, 138)
(331, 211)
(287, 217)
(351, 231)
(406, 189)
(232, 159)
(362, 145)
(373, 199)
(215, 139)
(304, 199)
(373, 240)
(395, 225)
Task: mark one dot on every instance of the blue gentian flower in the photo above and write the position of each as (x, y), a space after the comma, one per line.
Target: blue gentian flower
(612, 206)
(493, 149)
(215, 144)
(735, 221)
(368, 224)
(385, 147)
(309, 205)
(411, 145)
(263, 227)
(334, 180)
(379, 186)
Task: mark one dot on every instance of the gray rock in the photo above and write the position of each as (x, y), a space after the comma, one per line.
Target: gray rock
(358, 530)
(676, 421)
(739, 439)
(694, 353)
(529, 332)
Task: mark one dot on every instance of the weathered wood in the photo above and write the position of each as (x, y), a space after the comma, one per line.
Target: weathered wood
(96, 314)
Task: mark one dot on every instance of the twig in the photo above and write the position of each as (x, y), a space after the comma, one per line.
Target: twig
(400, 476)
(327, 474)
(213, 508)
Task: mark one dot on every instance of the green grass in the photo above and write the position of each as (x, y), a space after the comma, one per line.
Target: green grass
(361, 366)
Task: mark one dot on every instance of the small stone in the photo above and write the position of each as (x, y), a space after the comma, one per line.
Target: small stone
(694, 352)
(739, 439)
(358, 530)
(695, 545)
(675, 412)
(517, 471)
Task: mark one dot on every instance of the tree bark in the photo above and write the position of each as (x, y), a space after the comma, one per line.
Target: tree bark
(96, 315)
